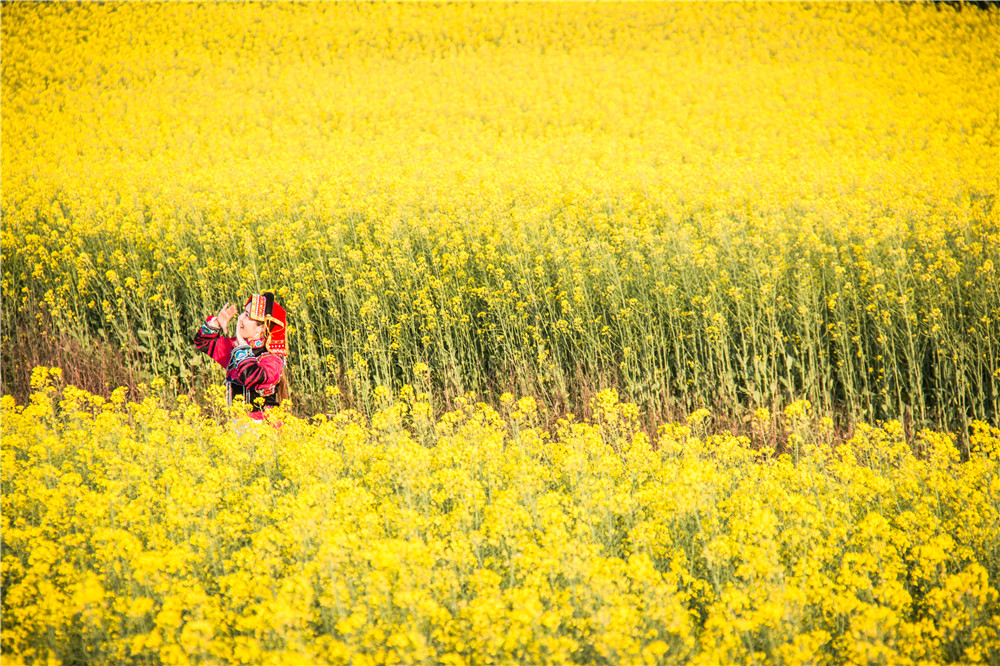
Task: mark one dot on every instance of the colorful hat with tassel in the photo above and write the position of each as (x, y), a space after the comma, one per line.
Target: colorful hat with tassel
(265, 309)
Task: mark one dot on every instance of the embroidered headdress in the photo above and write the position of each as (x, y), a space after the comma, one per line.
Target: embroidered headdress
(263, 308)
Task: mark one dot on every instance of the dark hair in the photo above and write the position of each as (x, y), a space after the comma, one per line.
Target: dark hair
(282, 391)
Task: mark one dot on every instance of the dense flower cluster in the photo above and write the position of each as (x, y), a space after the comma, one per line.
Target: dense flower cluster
(721, 205)
(133, 533)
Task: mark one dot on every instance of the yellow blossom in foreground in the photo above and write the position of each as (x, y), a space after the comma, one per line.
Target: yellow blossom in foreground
(137, 532)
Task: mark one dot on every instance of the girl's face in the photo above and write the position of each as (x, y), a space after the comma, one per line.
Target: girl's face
(249, 329)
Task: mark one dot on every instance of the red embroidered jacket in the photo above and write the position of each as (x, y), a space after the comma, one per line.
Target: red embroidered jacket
(252, 373)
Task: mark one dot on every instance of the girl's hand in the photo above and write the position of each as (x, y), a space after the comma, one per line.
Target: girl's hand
(222, 319)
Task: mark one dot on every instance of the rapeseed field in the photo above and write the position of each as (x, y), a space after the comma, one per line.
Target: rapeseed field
(135, 533)
(731, 205)
(619, 332)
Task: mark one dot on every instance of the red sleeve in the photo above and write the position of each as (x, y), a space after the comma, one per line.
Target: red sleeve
(213, 343)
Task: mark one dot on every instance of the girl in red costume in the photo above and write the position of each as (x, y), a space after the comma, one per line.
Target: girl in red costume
(255, 358)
